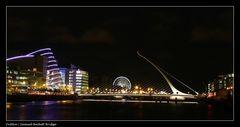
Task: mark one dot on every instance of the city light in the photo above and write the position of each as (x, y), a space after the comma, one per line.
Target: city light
(8, 105)
(136, 87)
(177, 98)
(123, 91)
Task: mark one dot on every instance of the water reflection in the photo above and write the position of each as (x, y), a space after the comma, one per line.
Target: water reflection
(65, 101)
(82, 110)
(40, 103)
(49, 102)
(209, 112)
(22, 113)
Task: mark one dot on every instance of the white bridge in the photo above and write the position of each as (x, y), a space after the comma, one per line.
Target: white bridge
(174, 90)
(176, 95)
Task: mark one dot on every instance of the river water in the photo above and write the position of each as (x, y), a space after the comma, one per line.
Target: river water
(115, 110)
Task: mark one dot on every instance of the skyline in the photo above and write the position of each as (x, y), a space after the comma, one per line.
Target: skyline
(190, 43)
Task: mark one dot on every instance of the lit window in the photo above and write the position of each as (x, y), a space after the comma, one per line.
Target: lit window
(15, 72)
(78, 77)
(34, 69)
(78, 71)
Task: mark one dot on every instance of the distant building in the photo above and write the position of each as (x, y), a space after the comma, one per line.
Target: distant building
(220, 83)
(75, 77)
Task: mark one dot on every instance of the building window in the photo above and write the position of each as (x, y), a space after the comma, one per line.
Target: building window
(78, 71)
(9, 81)
(34, 69)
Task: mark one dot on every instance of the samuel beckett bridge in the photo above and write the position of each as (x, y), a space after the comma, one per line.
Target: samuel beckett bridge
(138, 92)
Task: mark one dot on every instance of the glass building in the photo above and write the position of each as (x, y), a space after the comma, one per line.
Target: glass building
(75, 77)
(64, 74)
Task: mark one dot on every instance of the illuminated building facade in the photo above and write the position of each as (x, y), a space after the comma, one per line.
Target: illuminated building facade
(222, 82)
(19, 81)
(42, 61)
(78, 79)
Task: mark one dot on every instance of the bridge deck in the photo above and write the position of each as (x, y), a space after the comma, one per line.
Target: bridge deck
(139, 95)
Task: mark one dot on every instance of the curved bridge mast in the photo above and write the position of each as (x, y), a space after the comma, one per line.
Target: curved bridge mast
(174, 90)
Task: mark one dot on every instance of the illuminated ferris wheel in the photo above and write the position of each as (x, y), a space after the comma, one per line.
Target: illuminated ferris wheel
(123, 82)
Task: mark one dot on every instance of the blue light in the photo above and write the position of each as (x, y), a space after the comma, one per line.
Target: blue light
(52, 65)
(53, 69)
(39, 51)
(51, 57)
(52, 61)
(47, 53)
(18, 57)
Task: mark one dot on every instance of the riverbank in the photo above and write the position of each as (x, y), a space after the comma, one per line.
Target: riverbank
(25, 98)
(227, 103)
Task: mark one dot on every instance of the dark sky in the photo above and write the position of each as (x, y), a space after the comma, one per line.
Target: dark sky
(193, 44)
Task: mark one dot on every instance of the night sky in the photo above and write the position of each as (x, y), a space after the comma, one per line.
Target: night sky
(193, 44)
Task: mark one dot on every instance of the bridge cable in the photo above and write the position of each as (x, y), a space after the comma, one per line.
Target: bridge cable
(178, 80)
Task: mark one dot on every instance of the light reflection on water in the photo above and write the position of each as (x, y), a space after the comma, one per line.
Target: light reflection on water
(82, 110)
(209, 111)
(8, 105)
(65, 101)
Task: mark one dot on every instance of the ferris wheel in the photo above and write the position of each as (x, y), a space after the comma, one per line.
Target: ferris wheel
(123, 82)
